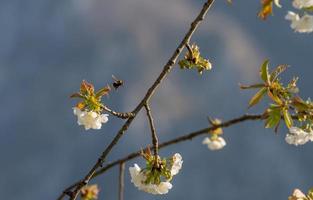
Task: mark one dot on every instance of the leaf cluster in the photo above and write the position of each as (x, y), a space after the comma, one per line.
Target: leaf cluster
(157, 169)
(285, 104)
(194, 60)
(91, 100)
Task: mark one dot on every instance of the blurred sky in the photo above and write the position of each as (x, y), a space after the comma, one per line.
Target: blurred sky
(49, 46)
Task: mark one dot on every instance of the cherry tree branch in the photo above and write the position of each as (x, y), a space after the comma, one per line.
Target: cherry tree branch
(121, 181)
(68, 191)
(166, 70)
(117, 114)
(183, 138)
(154, 136)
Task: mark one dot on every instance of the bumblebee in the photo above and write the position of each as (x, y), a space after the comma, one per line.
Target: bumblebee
(117, 82)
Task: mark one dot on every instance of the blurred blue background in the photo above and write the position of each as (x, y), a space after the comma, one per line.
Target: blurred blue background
(48, 47)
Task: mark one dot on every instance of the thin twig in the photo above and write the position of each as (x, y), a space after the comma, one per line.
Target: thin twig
(154, 136)
(183, 138)
(118, 114)
(68, 191)
(166, 70)
(121, 181)
(189, 49)
(101, 159)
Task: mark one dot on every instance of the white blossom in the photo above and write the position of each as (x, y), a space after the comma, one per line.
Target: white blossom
(302, 24)
(277, 3)
(299, 4)
(297, 136)
(214, 143)
(90, 119)
(177, 164)
(297, 195)
(138, 178)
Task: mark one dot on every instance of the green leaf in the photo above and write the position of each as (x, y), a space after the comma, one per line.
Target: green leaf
(310, 194)
(204, 63)
(274, 97)
(244, 87)
(309, 8)
(300, 104)
(183, 63)
(288, 118)
(264, 71)
(77, 95)
(103, 91)
(257, 97)
(277, 71)
(273, 118)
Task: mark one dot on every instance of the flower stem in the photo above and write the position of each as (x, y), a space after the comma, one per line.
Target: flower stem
(154, 136)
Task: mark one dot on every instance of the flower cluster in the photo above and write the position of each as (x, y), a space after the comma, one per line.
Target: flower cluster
(89, 192)
(298, 136)
(304, 23)
(155, 178)
(138, 178)
(88, 111)
(215, 142)
(90, 119)
(193, 60)
(299, 23)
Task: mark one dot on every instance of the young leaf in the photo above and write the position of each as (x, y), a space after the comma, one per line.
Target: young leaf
(81, 105)
(243, 87)
(274, 97)
(310, 194)
(76, 95)
(267, 9)
(257, 97)
(103, 91)
(300, 104)
(86, 88)
(288, 118)
(193, 60)
(277, 71)
(310, 9)
(273, 118)
(184, 64)
(264, 71)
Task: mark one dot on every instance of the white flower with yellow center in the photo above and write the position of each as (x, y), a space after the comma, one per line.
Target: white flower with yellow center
(138, 178)
(90, 119)
(214, 143)
(302, 24)
(297, 136)
(142, 178)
